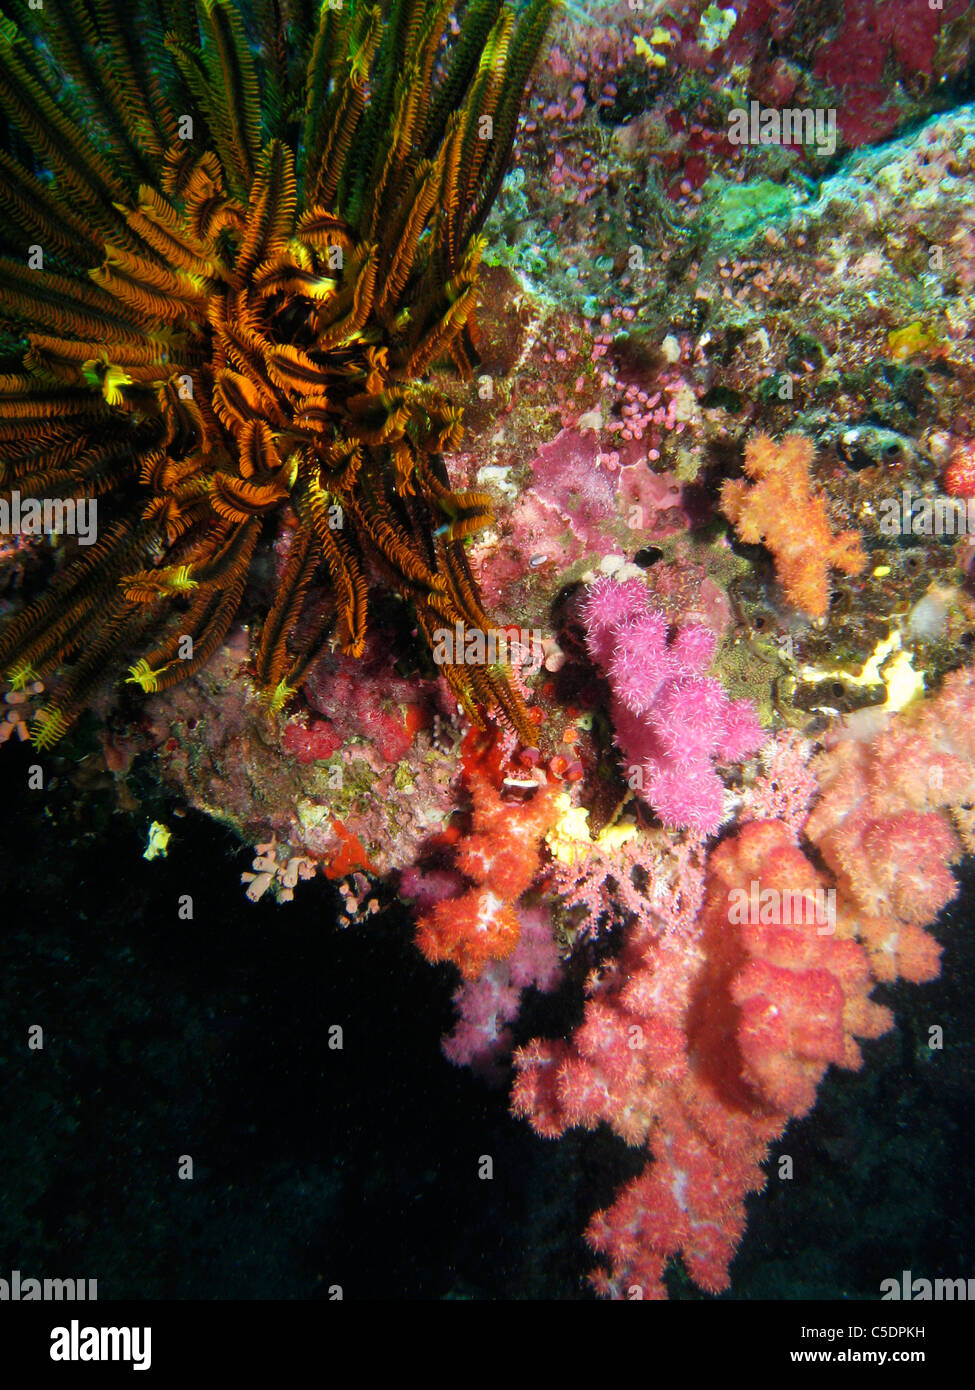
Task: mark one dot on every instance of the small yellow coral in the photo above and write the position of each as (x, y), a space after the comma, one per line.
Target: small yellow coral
(569, 838)
(158, 843)
(912, 338)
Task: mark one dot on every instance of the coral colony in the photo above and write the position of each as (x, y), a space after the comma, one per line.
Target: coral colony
(496, 420)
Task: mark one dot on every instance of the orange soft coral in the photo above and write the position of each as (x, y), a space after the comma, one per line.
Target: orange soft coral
(470, 930)
(782, 511)
(501, 855)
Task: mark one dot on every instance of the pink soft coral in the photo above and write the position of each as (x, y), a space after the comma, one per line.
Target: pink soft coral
(482, 1037)
(671, 719)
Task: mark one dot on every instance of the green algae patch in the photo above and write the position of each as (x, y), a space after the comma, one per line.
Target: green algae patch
(738, 210)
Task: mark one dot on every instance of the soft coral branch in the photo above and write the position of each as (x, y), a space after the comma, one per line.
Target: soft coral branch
(498, 858)
(782, 510)
(671, 719)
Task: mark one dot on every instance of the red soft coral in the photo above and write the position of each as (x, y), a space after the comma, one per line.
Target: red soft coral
(500, 856)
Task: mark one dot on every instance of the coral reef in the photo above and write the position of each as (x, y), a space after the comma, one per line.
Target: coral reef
(715, 782)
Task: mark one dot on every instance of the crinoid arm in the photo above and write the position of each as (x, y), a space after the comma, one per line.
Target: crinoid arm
(231, 251)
